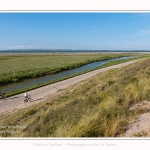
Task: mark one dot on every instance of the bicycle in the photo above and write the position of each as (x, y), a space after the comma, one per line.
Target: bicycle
(27, 99)
(2, 96)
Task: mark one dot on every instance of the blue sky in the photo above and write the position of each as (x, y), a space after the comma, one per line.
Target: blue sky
(75, 30)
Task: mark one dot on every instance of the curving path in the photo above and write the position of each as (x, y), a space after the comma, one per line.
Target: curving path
(40, 93)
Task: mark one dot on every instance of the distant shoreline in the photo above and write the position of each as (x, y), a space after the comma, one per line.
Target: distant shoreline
(64, 52)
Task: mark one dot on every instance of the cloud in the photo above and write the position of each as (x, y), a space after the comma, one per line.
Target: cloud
(140, 33)
(17, 47)
(144, 14)
(31, 46)
(145, 31)
(27, 47)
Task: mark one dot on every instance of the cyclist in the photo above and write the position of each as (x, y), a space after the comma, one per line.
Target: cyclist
(2, 95)
(27, 97)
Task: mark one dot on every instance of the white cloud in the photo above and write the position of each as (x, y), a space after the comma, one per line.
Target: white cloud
(31, 46)
(51, 47)
(145, 31)
(17, 47)
(143, 14)
(140, 33)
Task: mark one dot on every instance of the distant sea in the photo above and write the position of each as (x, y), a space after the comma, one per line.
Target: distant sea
(16, 51)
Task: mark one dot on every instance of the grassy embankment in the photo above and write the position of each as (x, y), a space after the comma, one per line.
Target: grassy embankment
(99, 107)
(18, 68)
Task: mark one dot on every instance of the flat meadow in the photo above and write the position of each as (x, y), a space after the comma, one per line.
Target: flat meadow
(16, 68)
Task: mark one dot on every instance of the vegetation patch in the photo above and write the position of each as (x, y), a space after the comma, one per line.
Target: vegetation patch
(99, 107)
(18, 68)
(31, 112)
(69, 76)
(140, 134)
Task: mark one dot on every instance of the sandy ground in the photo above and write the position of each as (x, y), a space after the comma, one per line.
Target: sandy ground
(139, 127)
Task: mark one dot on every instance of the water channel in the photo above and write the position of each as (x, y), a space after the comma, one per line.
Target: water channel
(31, 82)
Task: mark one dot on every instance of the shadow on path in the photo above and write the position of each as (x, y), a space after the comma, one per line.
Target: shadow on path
(36, 99)
(12, 98)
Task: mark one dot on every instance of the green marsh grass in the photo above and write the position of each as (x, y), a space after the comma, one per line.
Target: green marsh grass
(66, 77)
(99, 107)
(18, 68)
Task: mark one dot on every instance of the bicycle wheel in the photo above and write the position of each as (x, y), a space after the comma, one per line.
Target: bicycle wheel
(25, 100)
(29, 99)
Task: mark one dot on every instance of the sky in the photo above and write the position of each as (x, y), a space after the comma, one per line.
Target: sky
(75, 30)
